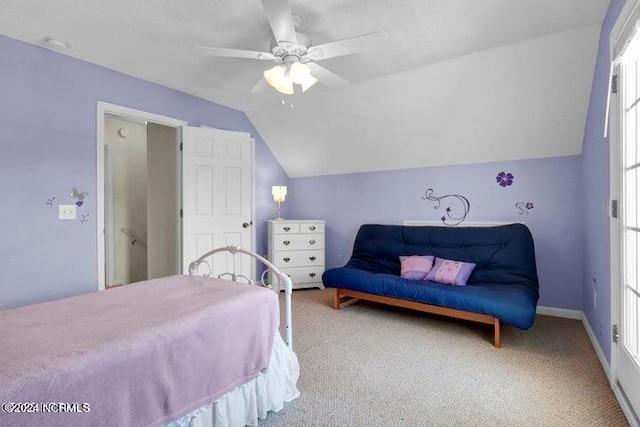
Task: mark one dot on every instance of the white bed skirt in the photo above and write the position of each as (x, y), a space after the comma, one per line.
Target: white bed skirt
(251, 401)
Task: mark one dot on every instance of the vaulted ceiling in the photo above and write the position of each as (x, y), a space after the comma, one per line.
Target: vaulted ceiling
(460, 81)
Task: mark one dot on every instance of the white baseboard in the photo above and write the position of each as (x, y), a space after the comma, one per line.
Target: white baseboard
(596, 346)
(559, 312)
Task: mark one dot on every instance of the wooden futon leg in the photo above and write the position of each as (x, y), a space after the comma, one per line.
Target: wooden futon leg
(497, 338)
(336, 299)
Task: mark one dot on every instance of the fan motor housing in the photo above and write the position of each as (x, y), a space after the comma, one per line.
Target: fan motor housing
(286, 48)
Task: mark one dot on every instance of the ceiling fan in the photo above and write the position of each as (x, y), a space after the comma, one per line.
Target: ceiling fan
(296, 59)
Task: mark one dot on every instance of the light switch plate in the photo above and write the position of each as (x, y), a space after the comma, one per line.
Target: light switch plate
(67, 212)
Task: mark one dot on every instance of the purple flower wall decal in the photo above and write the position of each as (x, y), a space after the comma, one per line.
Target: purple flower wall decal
(457, 206)
(505, 179)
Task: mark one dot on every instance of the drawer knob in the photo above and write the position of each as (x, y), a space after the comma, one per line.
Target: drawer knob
(287, 228)
(312, 242)
(312, 227)
(312, 258)
(312, 274)
(286, 259)
(287, 242)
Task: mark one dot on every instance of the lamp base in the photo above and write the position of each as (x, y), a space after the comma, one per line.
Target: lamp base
(279, 218)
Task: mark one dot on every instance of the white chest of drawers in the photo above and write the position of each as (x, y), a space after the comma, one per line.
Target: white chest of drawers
(296, 247)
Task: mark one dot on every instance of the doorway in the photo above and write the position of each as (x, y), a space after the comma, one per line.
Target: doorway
(138, 195)
(141, 232)
(213, 204)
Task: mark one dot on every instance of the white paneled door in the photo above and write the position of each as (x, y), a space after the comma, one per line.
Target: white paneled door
(628, 352)
(217, 171)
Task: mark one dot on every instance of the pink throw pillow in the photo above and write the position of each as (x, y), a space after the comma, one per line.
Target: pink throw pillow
(415, 267)
(449, 272)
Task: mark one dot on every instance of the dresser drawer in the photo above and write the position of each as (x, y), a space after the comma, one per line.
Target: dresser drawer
(284, 242)
(286, 228)
(301, 275)
(312, 227)
(298, 258)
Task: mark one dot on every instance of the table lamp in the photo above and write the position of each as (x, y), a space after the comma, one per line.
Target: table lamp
(279, 194)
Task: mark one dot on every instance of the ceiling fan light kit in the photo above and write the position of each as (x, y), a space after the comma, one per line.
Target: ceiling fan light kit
(283, 77)
(293, 52)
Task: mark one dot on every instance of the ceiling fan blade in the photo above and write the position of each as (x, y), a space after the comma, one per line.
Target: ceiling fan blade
(326, 77)
(234, 53)
(363, 43)
(281, 20)
(259, 87)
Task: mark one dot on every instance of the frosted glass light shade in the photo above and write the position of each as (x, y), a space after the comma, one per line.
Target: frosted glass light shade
(301, 74)
(307, 82)
(278, 80)
(298, 72)
(279, 193)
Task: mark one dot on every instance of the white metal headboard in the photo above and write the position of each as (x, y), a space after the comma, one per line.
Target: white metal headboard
(283, 279)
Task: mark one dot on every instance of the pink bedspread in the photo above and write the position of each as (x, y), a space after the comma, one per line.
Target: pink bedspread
(139, 355)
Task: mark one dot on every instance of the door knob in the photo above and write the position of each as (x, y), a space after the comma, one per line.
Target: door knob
(247, 224)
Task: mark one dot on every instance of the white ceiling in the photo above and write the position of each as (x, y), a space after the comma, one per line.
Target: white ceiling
(461, 81)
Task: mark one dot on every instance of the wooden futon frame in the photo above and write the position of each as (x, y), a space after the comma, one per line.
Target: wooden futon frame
(341, 296)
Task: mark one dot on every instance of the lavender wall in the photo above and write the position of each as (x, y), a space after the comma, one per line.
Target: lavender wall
(346, 201)
(594, 173)
(48, 146)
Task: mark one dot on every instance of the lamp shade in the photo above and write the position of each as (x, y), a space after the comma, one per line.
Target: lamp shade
(279, 193)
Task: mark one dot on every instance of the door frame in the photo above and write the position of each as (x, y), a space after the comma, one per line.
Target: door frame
(104, 108)
(615, 144)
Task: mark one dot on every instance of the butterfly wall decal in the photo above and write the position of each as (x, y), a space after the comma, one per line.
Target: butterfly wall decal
(79, 196)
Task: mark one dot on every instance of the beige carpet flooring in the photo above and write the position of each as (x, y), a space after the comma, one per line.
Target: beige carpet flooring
(372, 365)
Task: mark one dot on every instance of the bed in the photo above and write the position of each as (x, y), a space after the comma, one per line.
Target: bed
(176, 351)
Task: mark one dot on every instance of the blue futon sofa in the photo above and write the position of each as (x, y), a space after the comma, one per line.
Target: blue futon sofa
(503, 287)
